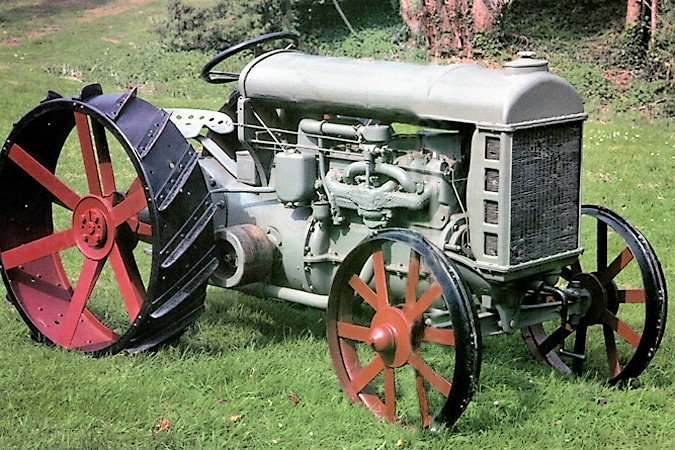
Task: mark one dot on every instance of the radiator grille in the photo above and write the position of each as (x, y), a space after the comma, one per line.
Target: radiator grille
(545, 178)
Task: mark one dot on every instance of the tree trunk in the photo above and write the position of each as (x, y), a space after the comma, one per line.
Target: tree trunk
(654, 19)
(448, 26)
(636, 15)
(485, 12)
(633, 12)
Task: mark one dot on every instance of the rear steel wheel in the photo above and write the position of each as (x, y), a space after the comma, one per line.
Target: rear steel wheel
(397, 301)
(82, 182)
(623, 327)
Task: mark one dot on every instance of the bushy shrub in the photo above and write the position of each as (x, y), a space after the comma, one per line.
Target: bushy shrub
(663, 52)
(650, 58)
(227, 22)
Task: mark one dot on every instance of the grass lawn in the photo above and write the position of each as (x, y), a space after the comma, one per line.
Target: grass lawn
(255, 373)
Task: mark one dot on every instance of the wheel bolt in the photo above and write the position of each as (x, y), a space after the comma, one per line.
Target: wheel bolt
(93, 228)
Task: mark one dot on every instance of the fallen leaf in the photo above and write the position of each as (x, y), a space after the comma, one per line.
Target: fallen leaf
(161, 426)
(293, 398)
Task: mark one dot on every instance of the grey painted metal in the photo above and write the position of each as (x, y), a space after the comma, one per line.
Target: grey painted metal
(465, 93)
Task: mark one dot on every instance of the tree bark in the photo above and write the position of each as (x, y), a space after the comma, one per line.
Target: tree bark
(654, 19)
(485, 12)
(633, 10)
(448, 26)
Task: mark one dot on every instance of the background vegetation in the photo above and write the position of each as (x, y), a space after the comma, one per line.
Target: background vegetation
(586, 39)
(255, 373)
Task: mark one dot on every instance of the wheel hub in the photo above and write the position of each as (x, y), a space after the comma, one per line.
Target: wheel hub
(602, 297)
(390, 336)
(93, 227)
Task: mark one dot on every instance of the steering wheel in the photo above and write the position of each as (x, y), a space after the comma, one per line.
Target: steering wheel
(217, 77)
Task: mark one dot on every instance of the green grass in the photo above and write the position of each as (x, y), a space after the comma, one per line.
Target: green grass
(255, 373)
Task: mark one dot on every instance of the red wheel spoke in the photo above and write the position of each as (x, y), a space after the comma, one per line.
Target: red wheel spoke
(619, 263)
(380, 279)
(128, 279)
(440, 336)
(425, 301)
(632, 296)
(435, 380)
(48, 180)
(88, 153)
(354, 332)
(413, 277)
(92, 320)
(144, 232)
(135, 185)
(366, 293)
(389, 394)
(422, 396)
(612, 355)
(38, 248)
(367, 374)
(104, 162)
(621, 327)
(142, 229)
(85, 285)
(129, 207)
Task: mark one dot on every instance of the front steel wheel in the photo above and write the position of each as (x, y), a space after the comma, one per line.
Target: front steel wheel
(623, 327)
(401, 331)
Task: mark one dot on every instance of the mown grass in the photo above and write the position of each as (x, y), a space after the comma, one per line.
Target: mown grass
(255, 373)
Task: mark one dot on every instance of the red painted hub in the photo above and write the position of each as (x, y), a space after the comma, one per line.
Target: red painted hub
(390, 336)
(93, 227)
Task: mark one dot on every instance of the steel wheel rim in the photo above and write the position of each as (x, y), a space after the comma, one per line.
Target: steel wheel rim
(100, 230)
(394, 362)
(627, 323)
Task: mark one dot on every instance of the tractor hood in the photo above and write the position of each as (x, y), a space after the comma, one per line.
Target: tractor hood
(521, 93)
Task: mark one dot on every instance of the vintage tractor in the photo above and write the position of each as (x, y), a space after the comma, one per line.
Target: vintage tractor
(422, 206)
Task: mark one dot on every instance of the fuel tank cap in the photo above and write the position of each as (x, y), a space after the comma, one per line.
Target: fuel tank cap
(526, 63)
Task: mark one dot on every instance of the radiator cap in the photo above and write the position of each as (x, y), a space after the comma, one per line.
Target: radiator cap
(527, 63)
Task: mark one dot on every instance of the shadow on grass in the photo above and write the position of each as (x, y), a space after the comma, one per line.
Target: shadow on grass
(46, 8)
(233, 320)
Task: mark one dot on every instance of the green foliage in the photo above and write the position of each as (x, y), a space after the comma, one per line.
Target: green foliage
(380, 32)
(628, 50)
(662, 55)
(227, 22)
(559, 25)
(379, 29)
(613, 67)
(650, 60)
(588, 79)
(489, 46)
